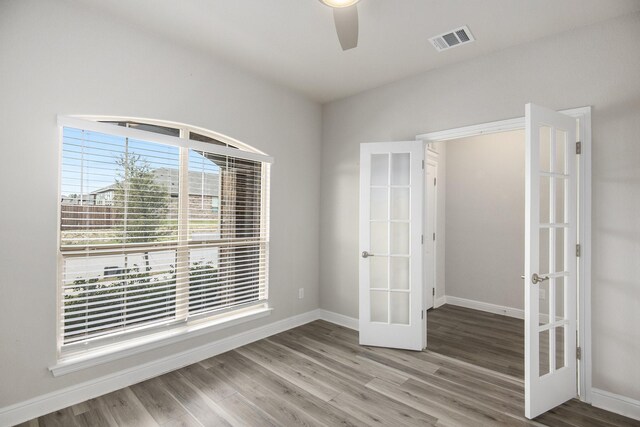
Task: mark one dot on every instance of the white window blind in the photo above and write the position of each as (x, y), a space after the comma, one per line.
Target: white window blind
(157, 230)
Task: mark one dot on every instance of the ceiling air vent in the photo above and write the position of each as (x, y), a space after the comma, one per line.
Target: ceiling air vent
(454, 38)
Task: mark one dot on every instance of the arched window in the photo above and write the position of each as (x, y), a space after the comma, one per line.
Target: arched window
(160, 224)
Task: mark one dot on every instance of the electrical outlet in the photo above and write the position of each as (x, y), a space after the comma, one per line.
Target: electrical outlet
(300, 293)
(543, 294)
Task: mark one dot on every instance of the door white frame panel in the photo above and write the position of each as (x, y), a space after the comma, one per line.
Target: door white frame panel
(583, 116)
(378, 327)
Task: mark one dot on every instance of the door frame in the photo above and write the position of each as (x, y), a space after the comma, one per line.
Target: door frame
(431, 158)
(583, 116)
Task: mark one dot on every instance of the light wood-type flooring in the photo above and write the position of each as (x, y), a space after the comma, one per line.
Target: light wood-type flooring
(318, 375)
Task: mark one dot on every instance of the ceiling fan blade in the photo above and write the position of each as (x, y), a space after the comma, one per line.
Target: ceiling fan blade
(346, 19)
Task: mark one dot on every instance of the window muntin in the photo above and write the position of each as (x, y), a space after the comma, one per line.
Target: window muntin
(156, 234)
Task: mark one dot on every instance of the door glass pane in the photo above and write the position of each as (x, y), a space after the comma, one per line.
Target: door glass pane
(378, 272)
(379, 204)
(400, 308)
(543, 268)
(560, 192)
(379, 169)
(543, 365)
(543, 302)
(545, 148)
(560, 232)
(560, 333)
(560, 297)
(400, 168)
(379, 238)
(400, 238)
(399, 272)
(561, 149)
(544, 199)
(400, 203)
(379, 306)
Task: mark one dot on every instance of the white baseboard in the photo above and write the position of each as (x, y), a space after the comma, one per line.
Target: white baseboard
(440, 301)
(485, 306)
(340, 319)
(41, 405)
(615, 403)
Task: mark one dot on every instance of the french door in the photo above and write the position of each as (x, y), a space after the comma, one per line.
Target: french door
(550, 259)
(391, 208)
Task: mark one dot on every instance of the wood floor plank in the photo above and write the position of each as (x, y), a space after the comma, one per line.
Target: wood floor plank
(196, 403)
(248, 413)
(319, 375)
(296, 374)
(284, 401)
(95, 417)
(207, 382)
(483, 339)
(444, 414)
(161, 404)
(347, 354)
(126, 409)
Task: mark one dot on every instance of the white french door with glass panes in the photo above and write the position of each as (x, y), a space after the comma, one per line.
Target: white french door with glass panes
(391, 207)
(550, 259)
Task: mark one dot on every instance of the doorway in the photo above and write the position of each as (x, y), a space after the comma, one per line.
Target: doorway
(479, 188)
(393, 296)
(557, 228)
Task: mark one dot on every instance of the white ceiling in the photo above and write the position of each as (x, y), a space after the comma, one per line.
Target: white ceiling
(293, 42)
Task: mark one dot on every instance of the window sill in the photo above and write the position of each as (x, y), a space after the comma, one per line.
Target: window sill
(105, 354)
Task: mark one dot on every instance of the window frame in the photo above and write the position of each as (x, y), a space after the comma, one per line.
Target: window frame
(148, 336)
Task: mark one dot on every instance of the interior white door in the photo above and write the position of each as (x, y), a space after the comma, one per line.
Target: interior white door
(391, 219)
(550, 259)
(430, 233)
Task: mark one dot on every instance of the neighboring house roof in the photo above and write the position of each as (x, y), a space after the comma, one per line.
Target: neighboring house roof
(111, 187)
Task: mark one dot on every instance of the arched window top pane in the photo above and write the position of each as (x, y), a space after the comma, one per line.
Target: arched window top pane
(170, 130)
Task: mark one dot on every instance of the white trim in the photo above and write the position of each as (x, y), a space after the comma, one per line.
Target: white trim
(473, 130)
(616, 403)
(584, 262)
(494, 127)
(485, 306)
(584, 228)
(109, 353)
(439, 301)
(339, 319)
(80, 123)
(35, 407)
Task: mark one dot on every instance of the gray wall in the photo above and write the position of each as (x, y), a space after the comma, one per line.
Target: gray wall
(485, 218)
(58, 58)
(598, 66)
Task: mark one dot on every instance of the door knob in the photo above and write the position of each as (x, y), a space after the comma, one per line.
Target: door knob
(535, 279)
(366, 254)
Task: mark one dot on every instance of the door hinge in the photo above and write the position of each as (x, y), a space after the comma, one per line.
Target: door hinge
(433, 291)
(423, 164)
(422, 314)
(422, 239)
(578, 147)
(578, 251)
(434, 237)
(434, 182)
(579, 353)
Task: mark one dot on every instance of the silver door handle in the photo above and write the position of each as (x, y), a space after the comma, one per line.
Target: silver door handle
(366, 254)
(535, 279)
